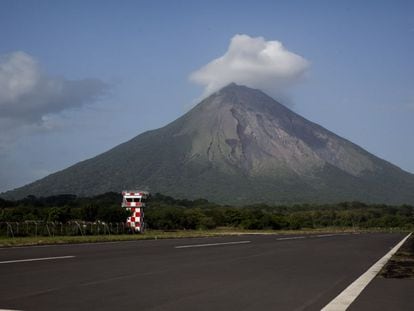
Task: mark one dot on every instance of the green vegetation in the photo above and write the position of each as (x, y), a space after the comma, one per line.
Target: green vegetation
(63, 208)
(167, 213)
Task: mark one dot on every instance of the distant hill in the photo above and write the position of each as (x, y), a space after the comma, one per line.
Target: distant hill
(237, 146)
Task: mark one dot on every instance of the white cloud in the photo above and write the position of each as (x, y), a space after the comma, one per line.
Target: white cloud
(27, 94)
(32, 101)
(253, 62)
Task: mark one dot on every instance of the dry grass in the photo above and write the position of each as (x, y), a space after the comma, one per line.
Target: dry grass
(401, 265)
(157, 234)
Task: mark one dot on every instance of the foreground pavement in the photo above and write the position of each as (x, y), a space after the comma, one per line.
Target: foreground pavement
(386, 294)
(230, 273)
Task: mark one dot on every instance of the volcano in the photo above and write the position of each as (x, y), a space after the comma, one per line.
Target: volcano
(238, 146)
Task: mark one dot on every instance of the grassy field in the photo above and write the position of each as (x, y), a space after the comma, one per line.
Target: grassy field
(156, 234)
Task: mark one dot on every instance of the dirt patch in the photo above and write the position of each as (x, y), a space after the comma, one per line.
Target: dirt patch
(401, 265)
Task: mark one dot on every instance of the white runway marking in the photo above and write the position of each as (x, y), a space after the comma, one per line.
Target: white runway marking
(212, 244)
(291, 238)
(344, 299)
(35, 259)
(311, 236)
(325, 235)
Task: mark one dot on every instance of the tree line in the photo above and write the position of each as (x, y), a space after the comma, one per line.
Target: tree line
(167, 213)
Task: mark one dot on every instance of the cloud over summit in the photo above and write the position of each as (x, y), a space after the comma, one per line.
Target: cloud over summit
(254, 62)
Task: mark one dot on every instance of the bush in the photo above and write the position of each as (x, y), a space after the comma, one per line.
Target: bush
(167, 213)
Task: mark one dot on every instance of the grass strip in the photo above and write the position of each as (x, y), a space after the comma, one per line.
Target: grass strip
(158, 234)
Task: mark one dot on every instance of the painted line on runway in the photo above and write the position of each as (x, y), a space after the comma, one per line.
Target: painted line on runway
(324, 235)
(328, 235)
(291, 238)
(212, 244)
(311, 236)
(36, 259)
(344, 299)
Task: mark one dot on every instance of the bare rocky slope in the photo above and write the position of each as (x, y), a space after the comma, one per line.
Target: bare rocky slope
(237, 146)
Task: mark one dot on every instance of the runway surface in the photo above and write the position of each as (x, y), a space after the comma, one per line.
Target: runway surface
(248, 272)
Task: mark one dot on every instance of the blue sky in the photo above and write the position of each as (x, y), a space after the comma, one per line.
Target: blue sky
(129, 63)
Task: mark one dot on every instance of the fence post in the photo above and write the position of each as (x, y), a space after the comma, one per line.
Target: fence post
(80, 229)
(9, 227)
(47, 228)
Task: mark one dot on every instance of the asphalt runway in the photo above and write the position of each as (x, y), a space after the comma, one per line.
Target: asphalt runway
(248, 272)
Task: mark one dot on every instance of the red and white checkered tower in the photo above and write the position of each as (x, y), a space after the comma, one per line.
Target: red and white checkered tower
(134, 201)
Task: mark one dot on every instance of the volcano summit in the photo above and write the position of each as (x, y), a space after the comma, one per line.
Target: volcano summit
(237, 146)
